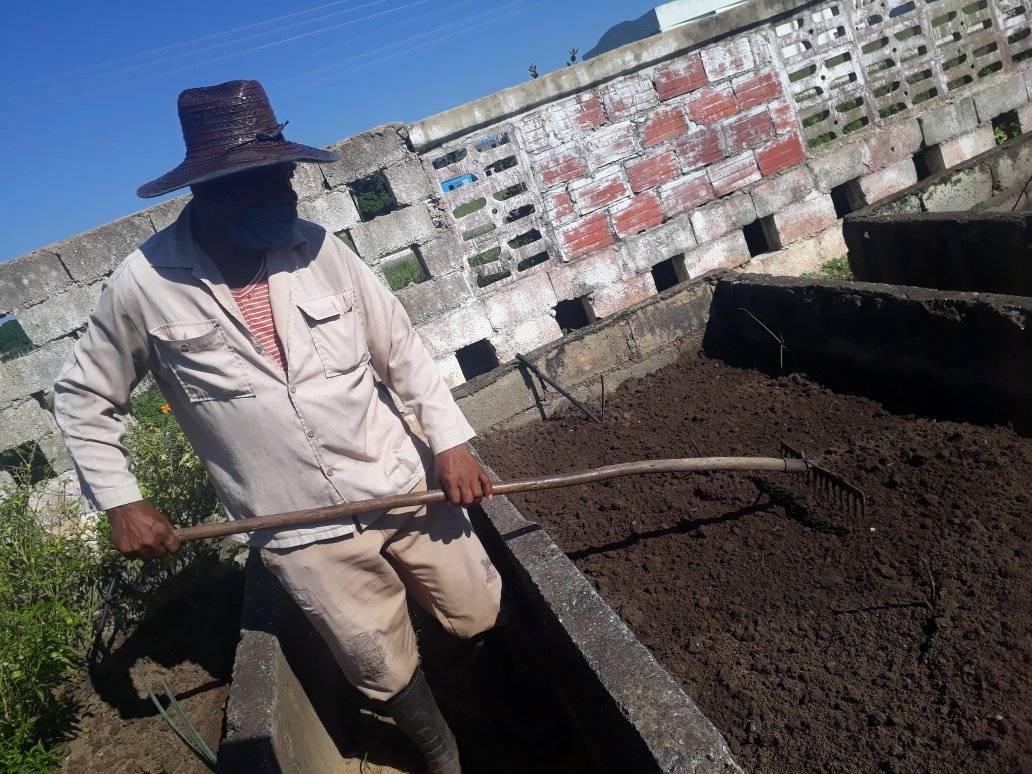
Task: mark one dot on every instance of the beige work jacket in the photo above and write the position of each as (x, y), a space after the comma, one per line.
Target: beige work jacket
(325, 432)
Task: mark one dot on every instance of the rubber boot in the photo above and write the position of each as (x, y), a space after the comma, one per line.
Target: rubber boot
(416, 713)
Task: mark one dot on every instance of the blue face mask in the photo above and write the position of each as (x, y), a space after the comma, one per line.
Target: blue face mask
(256, 228)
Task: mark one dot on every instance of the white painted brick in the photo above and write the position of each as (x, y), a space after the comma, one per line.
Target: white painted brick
(612, 299)
(727, 58)
(519, 300)
(720, 217)
(610, 143)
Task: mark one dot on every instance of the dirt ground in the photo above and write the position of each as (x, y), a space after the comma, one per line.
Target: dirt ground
(900, 642)
(189, 643)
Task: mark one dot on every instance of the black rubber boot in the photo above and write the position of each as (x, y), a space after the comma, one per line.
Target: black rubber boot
(416, 713)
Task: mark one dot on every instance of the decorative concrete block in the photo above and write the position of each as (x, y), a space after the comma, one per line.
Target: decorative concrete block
(644, 251)
(393, 231)
(1007, 92)
(962, 190)
(720, 217)
(34, 371)
(794, 260)
(773, 193)
(427, 300)
(726, 253)
(579, 278)
(879, 185)
(800, 220)
(164, 215)
(952, 152)
(96, 253)
(948, 121)
(24, 421)
(526, 337)
(364, 154)
(451, 371)
(838, 166)
(455, 330)
(409, 182)
(610, 300)
(334, 211)
(60, 314)
(524, 298)
(31, 278)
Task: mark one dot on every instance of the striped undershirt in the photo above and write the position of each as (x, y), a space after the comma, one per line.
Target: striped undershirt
(253, 301)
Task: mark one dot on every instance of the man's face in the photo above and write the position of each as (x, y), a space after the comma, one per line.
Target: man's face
(261, 187)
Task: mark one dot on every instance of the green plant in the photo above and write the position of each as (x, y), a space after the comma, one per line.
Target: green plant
(1005, 131)
(401, 274)
(836, 268)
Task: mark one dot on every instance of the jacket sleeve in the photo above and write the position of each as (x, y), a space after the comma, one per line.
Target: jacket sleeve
(91, 399)
(402, 362)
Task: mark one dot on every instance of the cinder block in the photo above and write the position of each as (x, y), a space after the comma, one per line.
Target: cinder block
(308, 181)
(838, 166)
(164, 215)
(1025, 118)
(526, 337)
(364, 154)
(409, 182)
(1012, 166)
(800, 220)
(948, 121)
(720, 217)
(455, 330)
(606, 188)
(451, 371)
(30, 278)
(832, 243)
(644, 251)
(879, 185)
(24, 421)
(1007, 92)
(443, 254)
(773, 193)
(524, 298)
(610, 300)
(733, 173)
(579, 278)
(893, 143)
(637, 214)
(962, 190)
(96, 253)
(726, 253)
(334, 211)
(427, 300)
(586, 235)
(794, 260)
(53, 448)
(610, 144)
(392, 232)
(727, 58)
(952, 152)
(33, 372)
(60, 314)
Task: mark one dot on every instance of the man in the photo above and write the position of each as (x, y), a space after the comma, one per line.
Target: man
(273, 344)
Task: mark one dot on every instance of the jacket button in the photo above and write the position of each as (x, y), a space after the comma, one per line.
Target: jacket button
(184, 347)
(293, 389)
(311, 433)
(329, 474)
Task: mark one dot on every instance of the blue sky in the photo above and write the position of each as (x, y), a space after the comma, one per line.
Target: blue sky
(88, 90)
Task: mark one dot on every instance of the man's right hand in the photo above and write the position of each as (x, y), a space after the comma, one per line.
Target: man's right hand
(139, 531)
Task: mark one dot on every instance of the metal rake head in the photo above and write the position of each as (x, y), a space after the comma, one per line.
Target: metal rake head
(843, 495)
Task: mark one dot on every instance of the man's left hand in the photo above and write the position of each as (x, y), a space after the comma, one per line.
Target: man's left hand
(461, 477)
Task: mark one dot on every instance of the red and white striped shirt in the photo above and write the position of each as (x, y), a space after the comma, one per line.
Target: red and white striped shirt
(253, 301)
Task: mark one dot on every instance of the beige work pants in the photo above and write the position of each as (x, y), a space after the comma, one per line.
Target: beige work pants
(353, 589)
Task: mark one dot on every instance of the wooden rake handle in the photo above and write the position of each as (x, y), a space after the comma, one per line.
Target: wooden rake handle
(332, 512)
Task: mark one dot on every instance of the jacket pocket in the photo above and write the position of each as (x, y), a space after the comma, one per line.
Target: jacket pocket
(200, 358)
(336, 330)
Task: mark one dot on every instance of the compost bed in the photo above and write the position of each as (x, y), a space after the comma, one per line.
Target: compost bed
(814, 641)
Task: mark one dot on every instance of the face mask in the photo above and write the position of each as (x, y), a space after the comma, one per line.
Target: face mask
(256, 228)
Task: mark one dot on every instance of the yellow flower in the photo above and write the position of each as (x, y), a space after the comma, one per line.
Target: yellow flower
(166, 409)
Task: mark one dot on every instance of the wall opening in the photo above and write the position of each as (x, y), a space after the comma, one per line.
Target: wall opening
(13, 340)
(573, 314)
(665, 275)
(1006, 126)
(921, 165)
(532, 260)
(373, 196)
(26, 463)
(404, 269)
(501, 165)
(841, 199)
(756, 238)
(477, 358)
(449, 158)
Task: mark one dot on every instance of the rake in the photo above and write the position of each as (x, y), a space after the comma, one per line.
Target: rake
(824, 482)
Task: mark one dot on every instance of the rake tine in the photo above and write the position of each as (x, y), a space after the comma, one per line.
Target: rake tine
(841, 493)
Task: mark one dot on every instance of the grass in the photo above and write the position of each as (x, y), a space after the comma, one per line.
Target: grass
(836, 269)
(401, 274)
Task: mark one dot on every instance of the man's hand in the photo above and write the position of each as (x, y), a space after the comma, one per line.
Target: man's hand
(139, 531)
(461, 477)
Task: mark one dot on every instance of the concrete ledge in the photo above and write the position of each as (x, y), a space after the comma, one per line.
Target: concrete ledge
(453, 123)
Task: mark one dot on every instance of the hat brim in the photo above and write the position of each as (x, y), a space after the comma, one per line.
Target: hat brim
(249, 156)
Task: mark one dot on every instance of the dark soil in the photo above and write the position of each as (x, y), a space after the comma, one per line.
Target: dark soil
(188, 641)
(815, 641)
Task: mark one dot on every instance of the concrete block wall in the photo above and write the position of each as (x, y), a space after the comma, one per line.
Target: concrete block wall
(737, 141)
